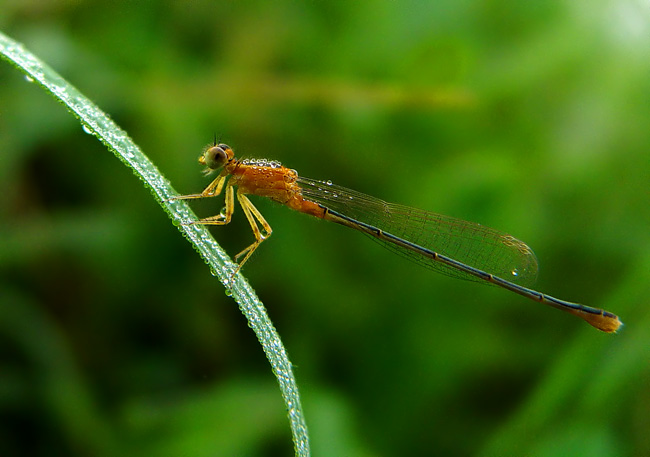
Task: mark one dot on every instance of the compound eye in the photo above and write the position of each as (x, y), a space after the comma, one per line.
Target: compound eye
(214, 157)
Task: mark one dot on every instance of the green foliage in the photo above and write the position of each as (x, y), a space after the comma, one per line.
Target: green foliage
(529, 117)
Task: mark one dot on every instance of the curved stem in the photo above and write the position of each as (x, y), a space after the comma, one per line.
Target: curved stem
(96, 122)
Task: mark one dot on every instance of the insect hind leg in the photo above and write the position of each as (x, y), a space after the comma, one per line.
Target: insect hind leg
(255, 219)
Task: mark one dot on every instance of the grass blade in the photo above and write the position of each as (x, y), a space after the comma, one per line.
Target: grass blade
(96, 122)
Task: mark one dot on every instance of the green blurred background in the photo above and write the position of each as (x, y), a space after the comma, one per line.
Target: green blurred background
(530, 117)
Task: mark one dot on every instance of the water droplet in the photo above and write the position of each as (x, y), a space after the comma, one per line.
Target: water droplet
(328, 182)
(515, 272)
(87, 129)
(29, 79)
(59, 91)
(228, 292)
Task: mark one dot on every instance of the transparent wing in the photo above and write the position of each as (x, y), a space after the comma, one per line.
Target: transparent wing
(480, 247)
